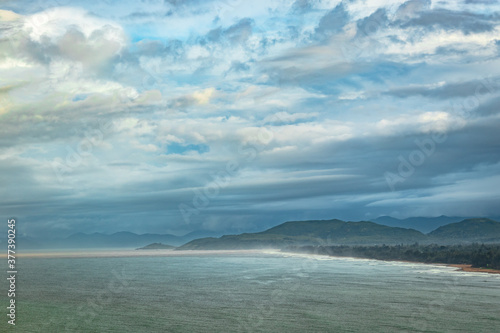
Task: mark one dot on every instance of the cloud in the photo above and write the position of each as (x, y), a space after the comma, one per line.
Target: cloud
(333, 22)
(428, 122)
(369, 25)
(237, 33)
(286, 118)
(491, 107)
(310, 102)
(446, 19)
(74, 35)
(412, 8)
(54, 23)
(302, 6)
(449, 90)
(7, 15)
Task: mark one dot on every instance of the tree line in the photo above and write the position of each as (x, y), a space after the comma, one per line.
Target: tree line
(477, 255)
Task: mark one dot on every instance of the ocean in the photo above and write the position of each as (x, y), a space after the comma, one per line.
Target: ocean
(247, 292)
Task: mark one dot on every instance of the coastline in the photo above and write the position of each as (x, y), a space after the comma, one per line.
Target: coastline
(103, 253)
(459, 267)
(469, 268)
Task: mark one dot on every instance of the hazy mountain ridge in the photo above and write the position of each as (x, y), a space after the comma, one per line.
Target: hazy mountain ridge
(422, 224)
(122, 239)
(337, 232)
(313, 232)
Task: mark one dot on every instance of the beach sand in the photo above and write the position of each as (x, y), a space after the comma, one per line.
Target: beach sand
(469, 268)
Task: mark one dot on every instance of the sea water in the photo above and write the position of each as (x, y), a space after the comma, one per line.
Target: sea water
(247, 292)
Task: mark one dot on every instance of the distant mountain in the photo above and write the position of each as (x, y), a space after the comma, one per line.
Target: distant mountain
(316, 232)
(123, 239)
(81, 240)
(481, 230)
(202, 234)
(23, 242)
(422, 224)
(337, 232)
(157, 246)
(297, 233)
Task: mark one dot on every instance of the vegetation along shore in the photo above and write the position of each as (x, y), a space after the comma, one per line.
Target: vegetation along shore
(471, 257)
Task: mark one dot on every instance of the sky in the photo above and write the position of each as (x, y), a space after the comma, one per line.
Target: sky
(234, 116)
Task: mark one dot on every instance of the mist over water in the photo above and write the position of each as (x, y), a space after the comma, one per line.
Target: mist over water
(250, 292)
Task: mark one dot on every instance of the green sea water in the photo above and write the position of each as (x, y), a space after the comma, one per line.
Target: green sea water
(248, 293)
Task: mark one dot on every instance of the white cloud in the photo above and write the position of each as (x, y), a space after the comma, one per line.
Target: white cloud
(285, 117)
(425, 122)
(55, 23)
(7, 15)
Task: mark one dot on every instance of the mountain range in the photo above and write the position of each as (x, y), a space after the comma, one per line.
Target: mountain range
(467, 231)
(383, 230)
(337, 232)
(422, 224)
(123, 239)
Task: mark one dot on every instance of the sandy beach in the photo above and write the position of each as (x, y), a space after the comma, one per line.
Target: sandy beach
(469, 268)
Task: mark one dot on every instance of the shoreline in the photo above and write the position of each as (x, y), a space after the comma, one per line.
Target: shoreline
(469, 268)
(459, 267)
(107, 253)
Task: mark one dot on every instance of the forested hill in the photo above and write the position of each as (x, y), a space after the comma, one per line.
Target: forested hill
(340, 231)
(337, 232)
(318, 232)
(470, 230)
